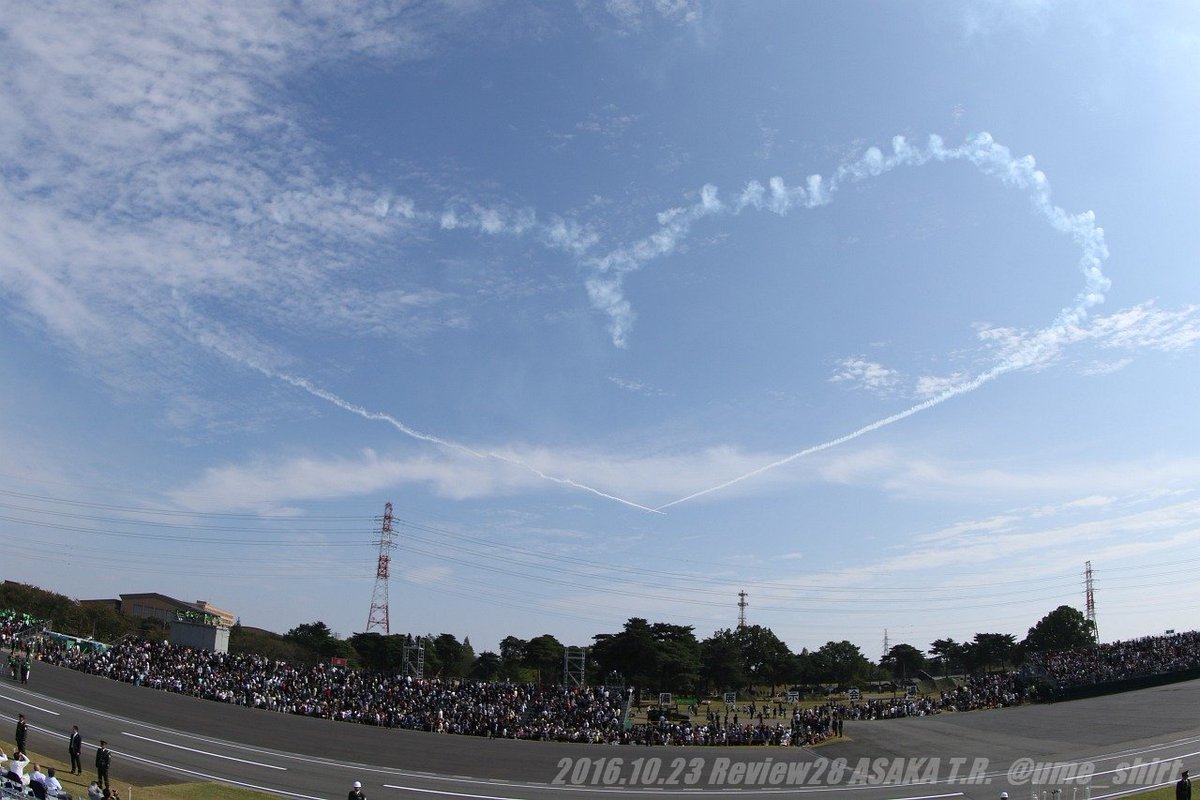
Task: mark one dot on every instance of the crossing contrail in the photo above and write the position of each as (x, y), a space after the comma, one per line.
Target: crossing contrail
(328, 396)
(223, 346)
(605, 286)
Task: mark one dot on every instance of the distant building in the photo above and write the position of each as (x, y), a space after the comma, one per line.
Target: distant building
(153, 605)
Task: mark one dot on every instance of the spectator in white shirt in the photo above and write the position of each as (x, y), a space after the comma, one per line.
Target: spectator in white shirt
(16, 769)
(53, 787)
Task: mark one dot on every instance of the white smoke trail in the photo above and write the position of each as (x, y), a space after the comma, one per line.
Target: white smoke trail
(605, 286)
(985, 154)
(222, 345)
(328, 396)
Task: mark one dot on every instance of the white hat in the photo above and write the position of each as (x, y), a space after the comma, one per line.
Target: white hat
(1004, 796)
(357, 785)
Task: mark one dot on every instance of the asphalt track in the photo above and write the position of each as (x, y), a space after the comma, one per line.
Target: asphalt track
(1086, 749)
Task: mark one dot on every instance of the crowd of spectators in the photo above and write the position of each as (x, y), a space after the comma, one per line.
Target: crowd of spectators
(1117, 661)
(497, 710)
(593, 714)
(13, 624)
(474, 708)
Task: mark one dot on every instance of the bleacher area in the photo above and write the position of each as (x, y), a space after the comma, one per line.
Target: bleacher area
(9, 789)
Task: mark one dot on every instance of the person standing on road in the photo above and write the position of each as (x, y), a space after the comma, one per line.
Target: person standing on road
(356, 792)
(103, 761)
(75, 748)
(1183, 789)
(22, 733)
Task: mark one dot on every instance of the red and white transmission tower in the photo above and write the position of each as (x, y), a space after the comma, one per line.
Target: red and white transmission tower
(1090, 600)
(378, 616)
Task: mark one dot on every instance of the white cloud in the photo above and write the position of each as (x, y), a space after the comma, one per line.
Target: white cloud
(863, 374)
(637, 387)
(1137, 328)
(935, 385)
(1105, 367)
(634, 16)
(162, 181)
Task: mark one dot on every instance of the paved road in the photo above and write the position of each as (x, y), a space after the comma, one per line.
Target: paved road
(158, 737)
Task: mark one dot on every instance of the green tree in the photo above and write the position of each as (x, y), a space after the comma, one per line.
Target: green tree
(466, 658)
(449, 655)
(487, 667)
(803, 669)
(948, 653)
(721, 662)
(632, 653)
(544, 654)
(1062, 629)
(988, 651)
(378, 652)
(765, 658)
(840, 662)
(247, 640)
(903, 661)
(677, 655)
(512, 653)
(316, 637)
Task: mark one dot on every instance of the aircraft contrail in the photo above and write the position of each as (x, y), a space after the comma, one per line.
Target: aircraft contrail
(315, 391)
(221, 346)
(992, 159)
(605, 286)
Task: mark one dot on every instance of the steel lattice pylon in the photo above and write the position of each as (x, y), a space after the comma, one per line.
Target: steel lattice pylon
(377, 618)
(1090, 600)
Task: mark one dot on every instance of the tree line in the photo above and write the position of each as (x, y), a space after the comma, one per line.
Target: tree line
(656, 656)
(664, 657)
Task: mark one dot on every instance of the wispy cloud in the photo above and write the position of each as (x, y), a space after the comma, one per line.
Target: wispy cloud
(638, 387)
(155, 155)
(609, 123)
(1105, 367)
(860, 373)
(157, 158)
(1137, 329)
(634, 16)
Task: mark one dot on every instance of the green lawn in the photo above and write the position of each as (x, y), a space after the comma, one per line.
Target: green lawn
(77, 784)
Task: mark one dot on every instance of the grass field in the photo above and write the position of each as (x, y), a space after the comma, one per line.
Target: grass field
(77, 784)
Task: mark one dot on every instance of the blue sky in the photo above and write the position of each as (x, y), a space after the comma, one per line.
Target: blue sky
(884, 313)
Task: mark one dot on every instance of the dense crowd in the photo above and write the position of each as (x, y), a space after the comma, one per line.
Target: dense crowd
(13, 624)
(1117, 661)
(593, 714)
(499, 710)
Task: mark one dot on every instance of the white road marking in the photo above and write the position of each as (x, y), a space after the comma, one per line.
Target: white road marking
(626, 791)
(217, 778)
(202, 752)
(31, 705)
(1146, 766)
